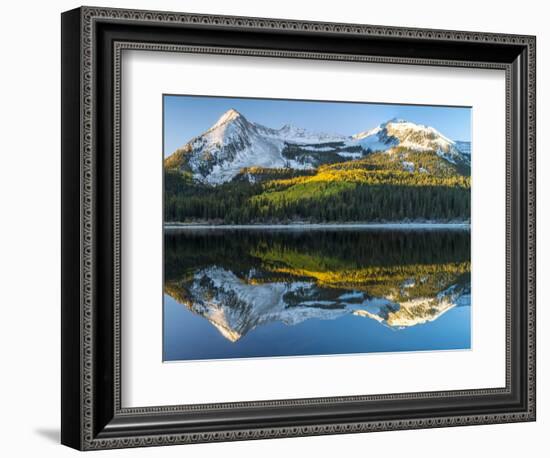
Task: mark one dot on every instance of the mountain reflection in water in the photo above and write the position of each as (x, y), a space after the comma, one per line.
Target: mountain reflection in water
(243, 281)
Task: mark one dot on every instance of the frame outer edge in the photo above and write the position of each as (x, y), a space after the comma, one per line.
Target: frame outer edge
(88, 16)
(88, 192)
(71, 306)
(309, 26)
(532, 226)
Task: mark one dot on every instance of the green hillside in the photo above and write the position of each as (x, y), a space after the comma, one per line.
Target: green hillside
(376, 188)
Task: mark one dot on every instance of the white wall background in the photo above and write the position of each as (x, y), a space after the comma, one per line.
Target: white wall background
(30, 240)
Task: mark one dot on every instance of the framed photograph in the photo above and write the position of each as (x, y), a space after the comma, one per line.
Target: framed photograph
(277, 228)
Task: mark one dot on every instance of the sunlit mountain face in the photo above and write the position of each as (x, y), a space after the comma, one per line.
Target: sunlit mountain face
(247, 280)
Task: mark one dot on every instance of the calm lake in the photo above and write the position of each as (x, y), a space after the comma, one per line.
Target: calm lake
(240, 293)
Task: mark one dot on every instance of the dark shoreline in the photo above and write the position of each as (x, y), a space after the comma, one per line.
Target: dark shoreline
(309, 226)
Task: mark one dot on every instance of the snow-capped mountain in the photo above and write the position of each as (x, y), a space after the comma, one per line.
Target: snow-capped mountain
(234, 143)
(405, 134)
(235, 306)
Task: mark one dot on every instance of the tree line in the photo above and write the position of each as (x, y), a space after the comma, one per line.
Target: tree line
(240, 202)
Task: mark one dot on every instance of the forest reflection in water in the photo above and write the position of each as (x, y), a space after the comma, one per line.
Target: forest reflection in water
(233, 293)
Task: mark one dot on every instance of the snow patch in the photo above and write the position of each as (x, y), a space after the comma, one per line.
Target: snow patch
(408, 166)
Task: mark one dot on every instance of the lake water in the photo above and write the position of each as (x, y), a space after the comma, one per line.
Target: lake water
(239, 293)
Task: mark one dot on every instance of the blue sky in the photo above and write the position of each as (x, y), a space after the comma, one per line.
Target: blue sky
(188, 116)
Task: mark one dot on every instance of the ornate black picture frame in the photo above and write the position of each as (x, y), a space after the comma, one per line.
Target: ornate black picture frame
(92, 42)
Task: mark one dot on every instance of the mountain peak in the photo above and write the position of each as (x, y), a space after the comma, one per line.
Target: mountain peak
(397, 121)
(290, 128)
(229, 115)
(380, 128)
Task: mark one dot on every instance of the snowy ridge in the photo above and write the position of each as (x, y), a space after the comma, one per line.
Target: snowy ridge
(298, 135)
(234, 143)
